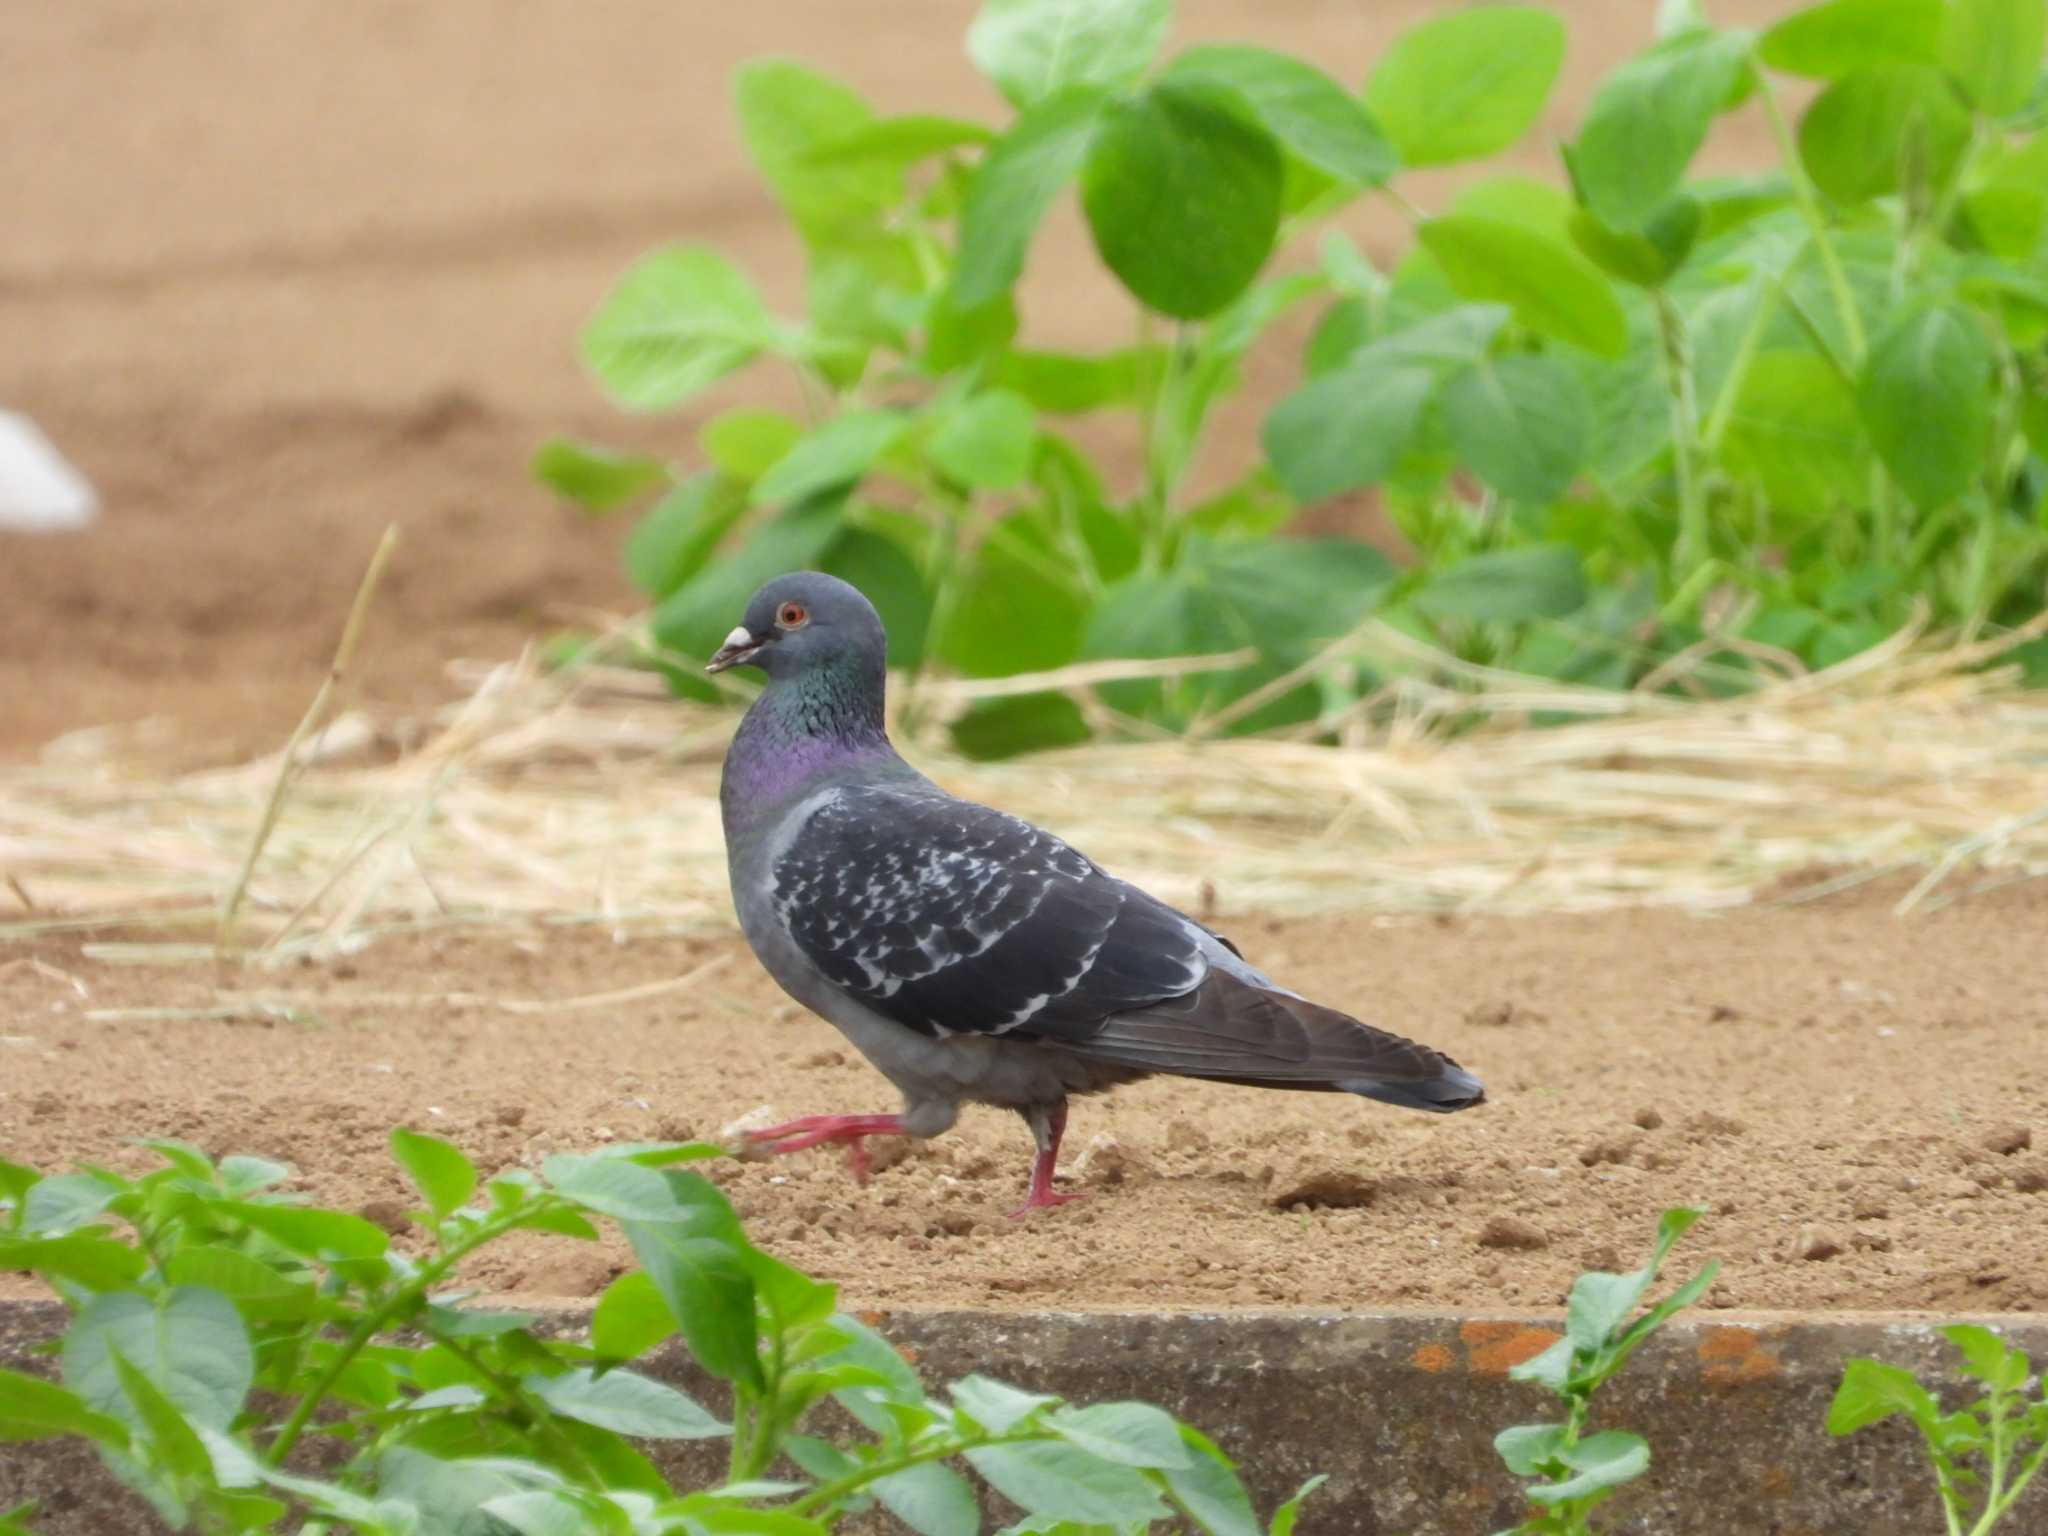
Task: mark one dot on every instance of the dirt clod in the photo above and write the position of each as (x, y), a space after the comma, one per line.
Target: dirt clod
(1505, 1231)
(1324, 1188)
(1648, 1119)
(388, 1214)
(1817, 1243)
(2005, 1140)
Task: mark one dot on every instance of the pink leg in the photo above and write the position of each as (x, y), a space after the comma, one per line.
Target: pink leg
(817, 1130)
(1048, 1126)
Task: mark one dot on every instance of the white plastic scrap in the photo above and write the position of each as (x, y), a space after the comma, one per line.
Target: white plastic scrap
(39, 491)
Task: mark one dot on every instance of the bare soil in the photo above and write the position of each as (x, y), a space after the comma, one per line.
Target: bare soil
(1857, 1098)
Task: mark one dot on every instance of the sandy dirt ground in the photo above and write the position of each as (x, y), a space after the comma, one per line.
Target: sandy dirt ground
(1856, 1101)
(278, 276)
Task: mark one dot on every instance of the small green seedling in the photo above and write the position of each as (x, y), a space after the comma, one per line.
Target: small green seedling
(1984, 1454)
(1579, 1471)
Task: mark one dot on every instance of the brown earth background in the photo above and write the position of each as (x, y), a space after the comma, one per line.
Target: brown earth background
(275, 276)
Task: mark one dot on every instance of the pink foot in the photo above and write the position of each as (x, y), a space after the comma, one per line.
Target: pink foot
(817, 1130)
(1048, 1126)
(1039, 1198)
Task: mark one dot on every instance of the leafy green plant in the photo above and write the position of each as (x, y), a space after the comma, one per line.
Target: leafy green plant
(1749, 420)
(1985, 1453)
(218, 1327)
(1578, 1469)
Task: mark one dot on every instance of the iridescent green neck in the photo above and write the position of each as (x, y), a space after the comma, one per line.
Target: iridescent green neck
(803, 729)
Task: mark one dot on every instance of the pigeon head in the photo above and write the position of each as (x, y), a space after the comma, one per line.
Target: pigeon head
(804, 623)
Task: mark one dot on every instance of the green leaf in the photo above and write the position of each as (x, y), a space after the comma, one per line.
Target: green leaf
(1016, 607)
(1548, 285)
(994, 1405)
(1794, 434)
(245, 1175)
(1988, 1357)
(835, 455)
(1925, 397)
(1467, 84)
(1209, 1489)
(34, 1409)
(696, 616)
(744, 443)
(1012, 188)
(786, 113)
(630, 1317)
(1309, 113)
(65, 1202)
(181, 1155)
(1136, 1434)
(1032, 722)
(1053, 1479)
(1649, 257)
(889, 578)
(1346, 430)
(253, 1286)
(931, 1499)
(1522, 422)
(541, 1512)
(1528, 1448)
(612, 1186)
(329, 1236)
(1603, 1460)
(596, 479)
(188, 1341)
(1285, 1516)
(1993, 49)
(986, 440)
(789, 1296)
(704, 1280)
(1552, 1368)
(1507, 586)
(1071, 383)
(672, 542)
(1872, 1390)
(1033, 49)
(900, 140)
(449, 1495)
(679, 320)
(1867, 133)
(443, 1176)
(175, 1447)
(1182, 196)
(627, 1403)
(1829, 41)
(1648, 119)
(97, 1263)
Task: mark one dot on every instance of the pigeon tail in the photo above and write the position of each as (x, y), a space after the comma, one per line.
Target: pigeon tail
(1452, 1089)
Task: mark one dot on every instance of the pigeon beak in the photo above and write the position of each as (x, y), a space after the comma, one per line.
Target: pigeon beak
(740, 648)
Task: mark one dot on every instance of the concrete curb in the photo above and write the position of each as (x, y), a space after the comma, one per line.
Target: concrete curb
(1400, 1409)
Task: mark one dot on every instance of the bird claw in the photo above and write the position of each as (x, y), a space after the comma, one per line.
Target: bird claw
(818, 1130)
(1041, 1198)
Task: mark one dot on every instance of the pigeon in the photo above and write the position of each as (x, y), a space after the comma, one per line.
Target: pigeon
(970, 956)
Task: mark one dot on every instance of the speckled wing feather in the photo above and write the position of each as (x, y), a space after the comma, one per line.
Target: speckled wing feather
(952, 918)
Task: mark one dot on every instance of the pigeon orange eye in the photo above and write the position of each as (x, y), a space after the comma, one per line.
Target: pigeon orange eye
(792, 616)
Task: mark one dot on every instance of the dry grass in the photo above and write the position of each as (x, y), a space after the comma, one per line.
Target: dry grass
(588, 796)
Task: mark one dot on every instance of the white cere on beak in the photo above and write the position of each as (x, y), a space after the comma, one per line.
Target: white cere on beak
(739, 639)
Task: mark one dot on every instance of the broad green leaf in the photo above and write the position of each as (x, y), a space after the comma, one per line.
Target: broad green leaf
(1993, 49)
(1136, 1434)
(443, 1176)
(97, 1263)
(330, 1236)
(1254, 508)
(1054, 1479)
(1309, 113)
(541, 1512)
(1549, 286)
(449, 1494)
(705, 1283)
(996, 1406)
(65, 1202)
(1605, 1459)
(1466, 84)
(786, 112)
(1033, 49)
(596, 479)
(931, 1499)
(1988, 1357)
(1506, 586)
(789, 1296)
(1521, 422)
(888, 577)
(1794, 434)
(181, 1155)
(957, 339)
(1346, 430)
(613, 1187)
(1925, 398)
(1598, 1305)
(257, 1289)
(1830, 41)
(1872, 1390)
(835, 455)
(1285, 1516)
(862, 292)
(1864, 135)
(679, 320)
(175, 1446)
(696, 616)
(241, 1175)
(1648, 119)
(1016, 606)
(1649, 257)
(986, 440)
(676, 536)
(1552, 1368)
(1033, 722)
(744, 443)
(630, 1317)
(1209, 1490)
(187, 1340)
(900, 140)
(1182, 196)
(1015, 183)
(1528, 1448)
(1071, 383)
(34, 1409)
(626, 1403)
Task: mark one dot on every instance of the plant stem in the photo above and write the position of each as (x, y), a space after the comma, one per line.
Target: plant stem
(828, 1494)
(537, 1417)
(1816, 220)
(400, 1302)
(1693, 538)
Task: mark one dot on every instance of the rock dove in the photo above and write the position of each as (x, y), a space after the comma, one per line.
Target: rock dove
(970, 956)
